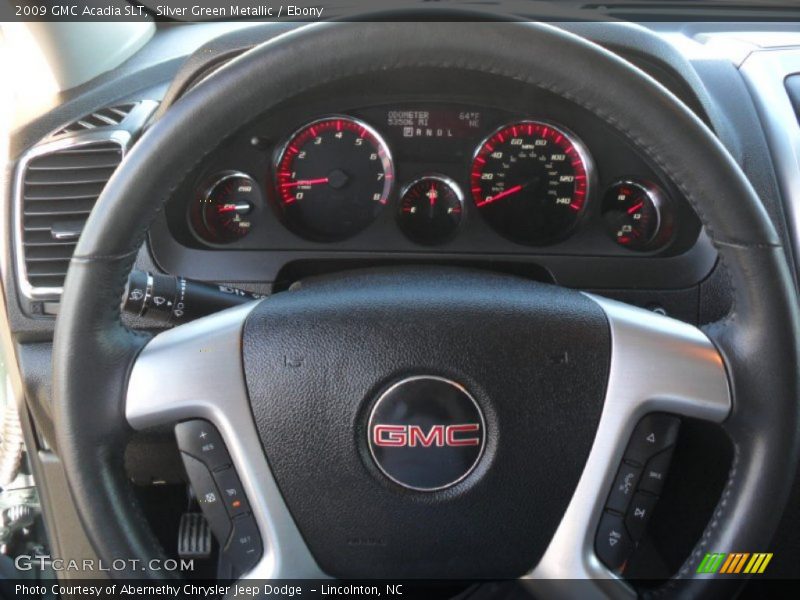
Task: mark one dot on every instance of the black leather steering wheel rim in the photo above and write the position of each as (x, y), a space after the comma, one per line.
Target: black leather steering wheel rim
(93, 351)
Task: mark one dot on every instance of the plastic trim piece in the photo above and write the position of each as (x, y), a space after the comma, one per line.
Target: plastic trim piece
(765, 73)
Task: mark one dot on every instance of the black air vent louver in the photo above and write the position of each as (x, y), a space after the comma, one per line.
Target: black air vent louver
(113, 115)
(59, 190)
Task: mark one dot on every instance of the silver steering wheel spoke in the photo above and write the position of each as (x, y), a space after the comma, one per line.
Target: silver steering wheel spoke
(195, 371)
(658, 365)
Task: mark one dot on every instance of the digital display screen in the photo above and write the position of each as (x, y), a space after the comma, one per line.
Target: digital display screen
(438, 134)
(434, 123)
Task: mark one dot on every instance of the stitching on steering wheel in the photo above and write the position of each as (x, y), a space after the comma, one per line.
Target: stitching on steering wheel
(701, 545)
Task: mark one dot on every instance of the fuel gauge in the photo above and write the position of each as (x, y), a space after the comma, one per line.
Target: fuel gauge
(431, 209)
(634, 215)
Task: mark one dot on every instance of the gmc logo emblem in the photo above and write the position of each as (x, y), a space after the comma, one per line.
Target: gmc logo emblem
(397, 436)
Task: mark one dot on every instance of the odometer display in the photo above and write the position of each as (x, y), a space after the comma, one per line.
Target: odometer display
(333, 177)
(530, 180)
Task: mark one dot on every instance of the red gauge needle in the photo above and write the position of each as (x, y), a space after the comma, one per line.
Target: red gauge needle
(432, 194)
(233, 207)
(507, 192)
(633, 209)
(305, 182)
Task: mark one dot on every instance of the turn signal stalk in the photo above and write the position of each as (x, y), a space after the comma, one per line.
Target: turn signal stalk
(176, 300)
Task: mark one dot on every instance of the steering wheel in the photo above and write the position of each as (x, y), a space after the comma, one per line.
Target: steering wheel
(296, 384)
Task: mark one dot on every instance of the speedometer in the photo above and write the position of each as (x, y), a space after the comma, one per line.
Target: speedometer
(334, 176)
(530, 180)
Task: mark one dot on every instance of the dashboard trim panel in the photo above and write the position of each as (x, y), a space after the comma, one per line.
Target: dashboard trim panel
(764, 71)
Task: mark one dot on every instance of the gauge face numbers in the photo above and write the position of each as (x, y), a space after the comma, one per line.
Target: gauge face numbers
(632, 214)
(430, 210)
(333, 176)
(221, 214)
(530, 181)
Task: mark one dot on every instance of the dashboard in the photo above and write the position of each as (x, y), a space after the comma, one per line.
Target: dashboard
(433, 170)
(231, 219)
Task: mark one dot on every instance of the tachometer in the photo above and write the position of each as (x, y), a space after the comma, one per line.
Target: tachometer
(334, 176)
(530, 180)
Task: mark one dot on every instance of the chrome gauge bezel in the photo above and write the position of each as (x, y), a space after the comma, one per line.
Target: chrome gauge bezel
(438, 177)
(444, 179)
(584, 155)
(385, 153)
(659, 201)
(203, 196)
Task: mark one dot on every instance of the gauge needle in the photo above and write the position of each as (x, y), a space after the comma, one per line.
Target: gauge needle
(244, 207)
(633, 209)
(503, 194)
(432, 194)
(300, 182)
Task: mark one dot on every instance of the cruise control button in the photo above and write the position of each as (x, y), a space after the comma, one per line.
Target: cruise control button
(244, 547)
(653, 434)
(638, 514)
(208, 496)
(202, 440)
(655, 472)
(232, 493)
(624, 487)
(613, 544)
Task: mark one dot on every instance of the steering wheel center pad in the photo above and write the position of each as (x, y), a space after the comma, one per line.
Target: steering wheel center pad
(535, 358)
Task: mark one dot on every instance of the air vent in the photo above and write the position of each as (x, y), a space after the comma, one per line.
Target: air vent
(58, 185)
(113, 115)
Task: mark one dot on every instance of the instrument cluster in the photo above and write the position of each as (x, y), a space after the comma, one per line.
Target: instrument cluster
(426, 171)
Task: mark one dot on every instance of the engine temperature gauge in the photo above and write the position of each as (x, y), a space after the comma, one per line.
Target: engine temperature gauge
(633, 212)
(221, 214)
(430, 209)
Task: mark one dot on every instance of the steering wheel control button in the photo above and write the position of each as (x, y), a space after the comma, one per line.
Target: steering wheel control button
(653, 434)
(656, 472)
(244, 546)
(202, 440)
(208, 497)
(232, 493)
(638, 514)
(426, 433)
(633, 497)
(624, 487)
(613, 544)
